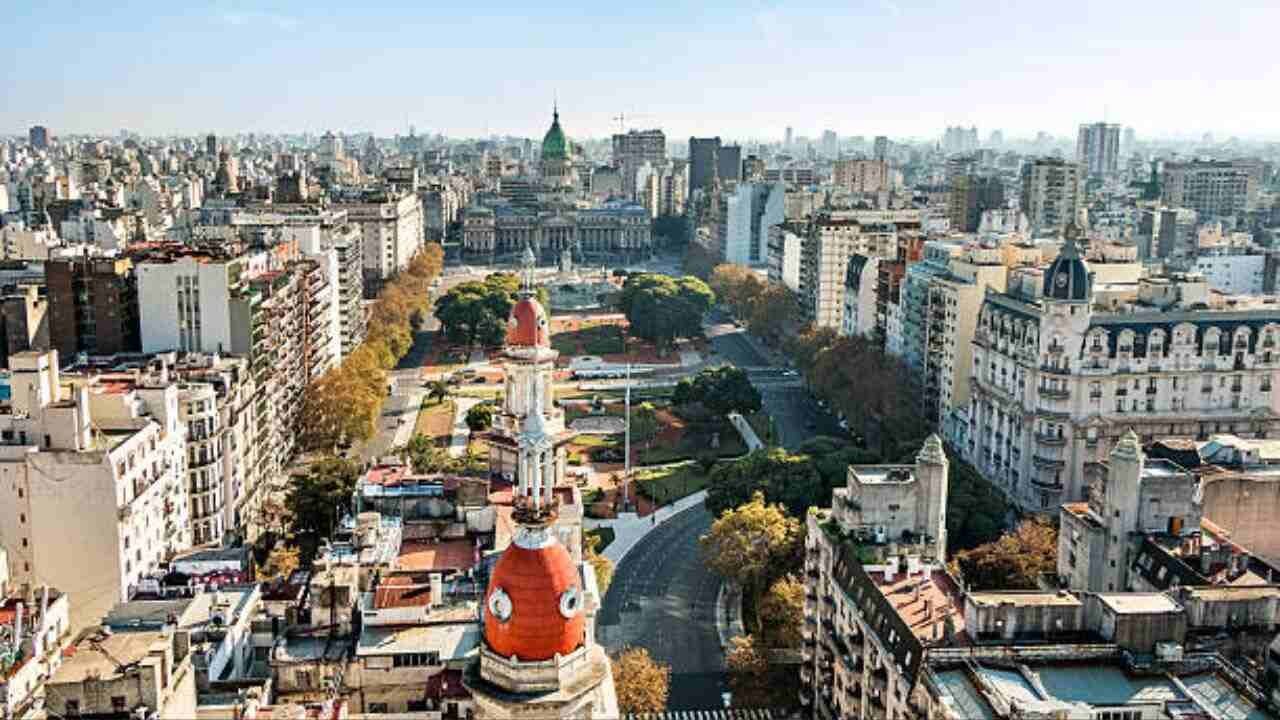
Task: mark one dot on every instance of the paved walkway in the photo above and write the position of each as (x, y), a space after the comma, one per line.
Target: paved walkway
(629, 528)
(458, 441)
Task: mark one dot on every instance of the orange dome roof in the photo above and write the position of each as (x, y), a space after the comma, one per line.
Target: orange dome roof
(534, 605)
(528, 325)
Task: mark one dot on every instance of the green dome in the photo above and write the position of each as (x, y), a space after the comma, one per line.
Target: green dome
(555, 146)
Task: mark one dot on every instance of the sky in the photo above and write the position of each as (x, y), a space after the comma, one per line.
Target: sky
(739, 70)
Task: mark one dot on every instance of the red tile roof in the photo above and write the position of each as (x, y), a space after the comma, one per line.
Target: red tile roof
(415, 555)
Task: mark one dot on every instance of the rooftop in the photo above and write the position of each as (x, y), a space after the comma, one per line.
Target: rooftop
(1139, 603)
(453, 641)
(417, 556)
(1025, 599)
(95, 654)
(924, 601)
(882, 474)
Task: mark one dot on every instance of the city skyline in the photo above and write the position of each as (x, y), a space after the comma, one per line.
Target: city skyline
(894, 68)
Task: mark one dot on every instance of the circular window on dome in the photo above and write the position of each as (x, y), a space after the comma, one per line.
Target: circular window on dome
(1062, 280)
(570, 601)
(500, 605)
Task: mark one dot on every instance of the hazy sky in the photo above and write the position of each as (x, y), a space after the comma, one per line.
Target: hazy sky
(895, 67)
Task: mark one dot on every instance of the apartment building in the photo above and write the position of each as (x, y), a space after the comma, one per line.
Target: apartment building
(1167, 233)
(830, 239)
(860, 284)
(632, 150)
(93, 305)
(1213, 188)
(969, 197)
(862, 176)
(784, 253)
(1065, 362)
(122, 672)
(1052, 194)
(747, 213)
(939, 304)
(1098, 149)
(37, 626)
(111, 456)
(392, 231)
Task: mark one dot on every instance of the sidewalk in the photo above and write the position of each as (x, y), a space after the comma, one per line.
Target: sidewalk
(629, 528)
(458, 440)
(729, 613)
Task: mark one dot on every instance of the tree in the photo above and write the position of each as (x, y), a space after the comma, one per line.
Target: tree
(772, 311)
(752, 680)
(479, 418)
(976, 512)
(438, 390)
(1014, 562)
(315, 501)
(644, 423)
(424, 457)
(477, 311)
(781, 613)
(601, 565)
(661, 308)
(736, 286)
(791, 480)
(642, 683)
(721, 390)
(752, 545)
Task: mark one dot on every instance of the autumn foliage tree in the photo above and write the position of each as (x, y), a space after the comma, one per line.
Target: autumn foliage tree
(1014, 562)
(769, 309)
(781, 613)
(642, 683)
(752, 545)
(753, 680)
(344, 404)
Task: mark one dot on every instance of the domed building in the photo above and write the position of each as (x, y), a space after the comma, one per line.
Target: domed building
(538, 655)
(557, 158)
(1067, 278)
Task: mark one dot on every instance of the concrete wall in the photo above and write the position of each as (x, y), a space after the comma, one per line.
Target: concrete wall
(1246, 508)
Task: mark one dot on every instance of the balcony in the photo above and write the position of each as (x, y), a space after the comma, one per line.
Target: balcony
(1046, 484)
(1054, 393)
(1049, 463)
(1050, 440)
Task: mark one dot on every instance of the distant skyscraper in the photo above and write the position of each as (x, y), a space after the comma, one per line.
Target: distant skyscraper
(790, 137)
(1130, 139)
(830, 143)
(704, 156)
(38, 136)
(1051, 194)
(997, 139)
(211, 145)
(635, 148)
(1212, 188)
(729, 163)
(1098, 149)
(881, 147)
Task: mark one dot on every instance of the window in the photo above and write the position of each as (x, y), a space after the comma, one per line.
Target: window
(119, 703)
(377, 708)
(71, 708)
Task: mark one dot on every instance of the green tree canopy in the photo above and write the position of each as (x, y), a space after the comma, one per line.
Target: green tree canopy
(476, 311)
(721, 390)
(661, 308)
(1015, 561)
(317, 500)
(479, 418)
(782, 477)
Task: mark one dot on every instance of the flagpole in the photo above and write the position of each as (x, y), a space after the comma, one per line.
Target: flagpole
(626, 471)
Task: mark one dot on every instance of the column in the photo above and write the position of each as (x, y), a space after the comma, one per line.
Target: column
(549, 468)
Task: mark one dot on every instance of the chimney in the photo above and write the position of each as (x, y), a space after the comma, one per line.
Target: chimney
(437, 589)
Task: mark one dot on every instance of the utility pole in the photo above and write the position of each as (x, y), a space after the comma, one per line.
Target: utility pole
(626, 468)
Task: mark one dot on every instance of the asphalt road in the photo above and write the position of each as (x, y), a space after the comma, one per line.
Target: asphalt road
(663, 599)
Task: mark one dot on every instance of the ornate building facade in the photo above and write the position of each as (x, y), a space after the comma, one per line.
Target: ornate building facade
(538, 656)
(1060, 374)
(616, 228)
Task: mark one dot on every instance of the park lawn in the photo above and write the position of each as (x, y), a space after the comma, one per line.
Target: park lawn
(590, 339)
(595, 441)
(605, 535)
(695, 440)
(435, 419)
(668, 484)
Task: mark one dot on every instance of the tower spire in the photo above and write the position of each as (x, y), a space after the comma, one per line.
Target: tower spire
(527, 265)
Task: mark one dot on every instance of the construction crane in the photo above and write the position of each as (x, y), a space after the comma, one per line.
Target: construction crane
(621, 118)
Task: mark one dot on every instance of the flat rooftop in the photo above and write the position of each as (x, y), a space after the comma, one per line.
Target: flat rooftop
(1026, 599)
(1139, 603)
(1160, 468)
(453, 641)
(417, 555)
(96, 655)
(882, 474)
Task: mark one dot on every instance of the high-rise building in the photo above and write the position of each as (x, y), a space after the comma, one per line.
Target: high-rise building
(38, 137)
(971, 195)
(1166, 233)
(1098, 149)
(211, 145)
(704, 160)
(881, 148)
(392, 229)
(862, 176)
(1213, 188)
(749, 211)
(789, 138)
(1052, 194)
(93, 306)
(830, 143)
(729, 163)
(631, 150)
